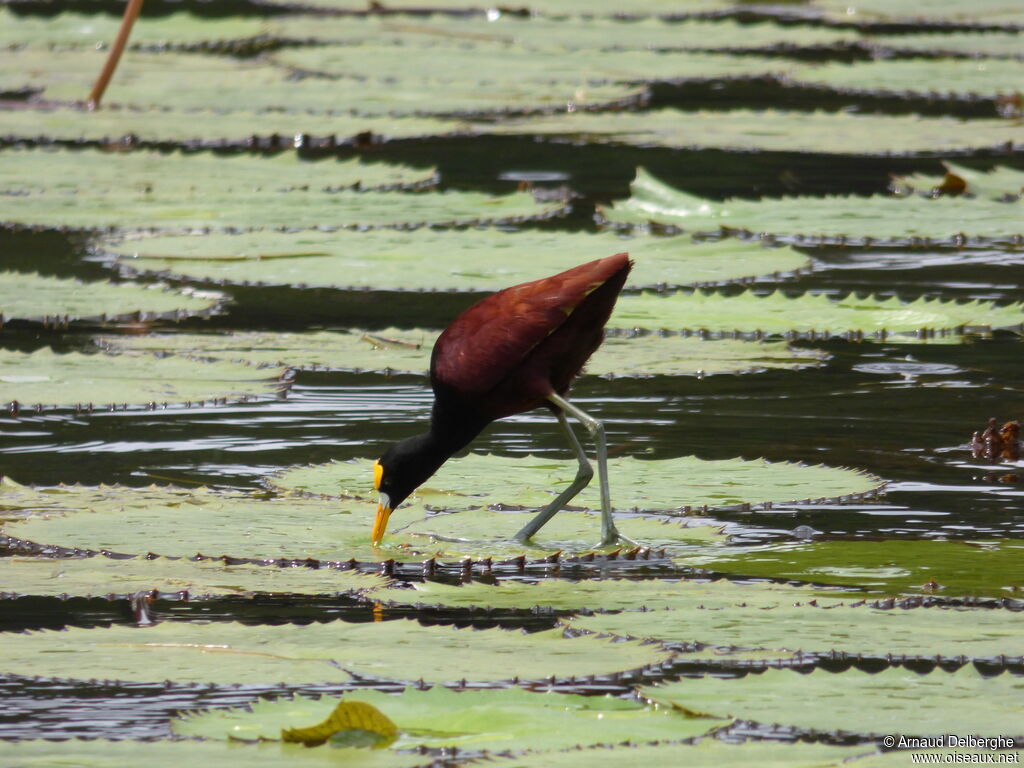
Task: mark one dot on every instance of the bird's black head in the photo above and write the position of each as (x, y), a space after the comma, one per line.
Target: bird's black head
(400, 471)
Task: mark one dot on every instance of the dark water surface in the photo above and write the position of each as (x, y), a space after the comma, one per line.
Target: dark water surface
(904, 412)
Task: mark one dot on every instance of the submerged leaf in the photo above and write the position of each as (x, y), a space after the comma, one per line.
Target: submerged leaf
(45, 377)
(469, 260)
(395, 350)
(494, 720)
(827, 218)
(892, 701)
(37, 298)
(776, 314)
(227, 653)
(351, 723)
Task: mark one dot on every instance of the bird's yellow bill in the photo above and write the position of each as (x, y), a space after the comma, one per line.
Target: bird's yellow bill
(380, 522)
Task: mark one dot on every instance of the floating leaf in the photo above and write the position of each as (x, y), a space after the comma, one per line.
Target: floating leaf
(351, 723)
(57, 188)
(941, 14)
(976, 44)
(827, 218)
(103, 576)
(766, 130)
(225, 83)
(54, 299)
(891, 701)
(504, 63)
(495, 720)
(994, 183)
(853, 629)
(173, 754)
(607, 595)
(227, 653)
(47, 378)
(921, 77)
(209, 125)
(471, 260)
(952, 568)
(776, 313)
(479, 480)
(408, 351)
(707, 753)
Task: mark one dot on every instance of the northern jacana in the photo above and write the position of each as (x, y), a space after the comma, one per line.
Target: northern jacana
(513, 351)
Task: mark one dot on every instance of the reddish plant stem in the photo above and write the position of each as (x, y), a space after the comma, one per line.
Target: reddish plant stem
(130, 14)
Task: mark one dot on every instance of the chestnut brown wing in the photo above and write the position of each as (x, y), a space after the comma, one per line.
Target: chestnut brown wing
(487, 342)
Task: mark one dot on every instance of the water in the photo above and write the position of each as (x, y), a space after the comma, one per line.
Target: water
(904, 412)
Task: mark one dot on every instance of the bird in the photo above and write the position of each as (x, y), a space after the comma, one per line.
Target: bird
(512, 351)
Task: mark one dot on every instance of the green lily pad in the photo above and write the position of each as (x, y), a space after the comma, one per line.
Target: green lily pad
(505, 63)
(825, 218)
(91, 189)
(999, 44)
(147, 80)
(228, 653)
(853, 629)
(154, 176)
(479, 480)
(776, 314)
(940, 12)
(173, 754)
(470, 260)
(102, 577)
(122, 520)
(921, 77)
(394, 350)
(707, 753)
(607, 595)
(53, 299)
(766, 130)
(891, 701)
(207, 124)
(511, 719)
(45, 377)
(997, 182)
(952, 568)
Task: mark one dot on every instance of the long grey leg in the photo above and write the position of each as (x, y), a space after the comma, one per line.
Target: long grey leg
(609, 533)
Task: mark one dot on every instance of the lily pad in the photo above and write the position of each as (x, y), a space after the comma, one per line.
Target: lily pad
(979, 44)
(149, 80)
(395, 350)
(511, 719)
(479, 480)
(765, 130)
(891, 701)
(607, 595)
(471, 260)
(190, 126)
(122, 520)
(854, 629)
(92, 189)
(173, 754)
(707, 753)
(45, 377)
(940, 13)
(997, 182)
(53, 299)
(920, 77)
(777, 314)
(829, 218)
(103, 576)
(951, 568)
(228, 653)
(154, 175)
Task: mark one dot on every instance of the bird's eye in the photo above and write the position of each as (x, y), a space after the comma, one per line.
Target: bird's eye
(378, 474)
